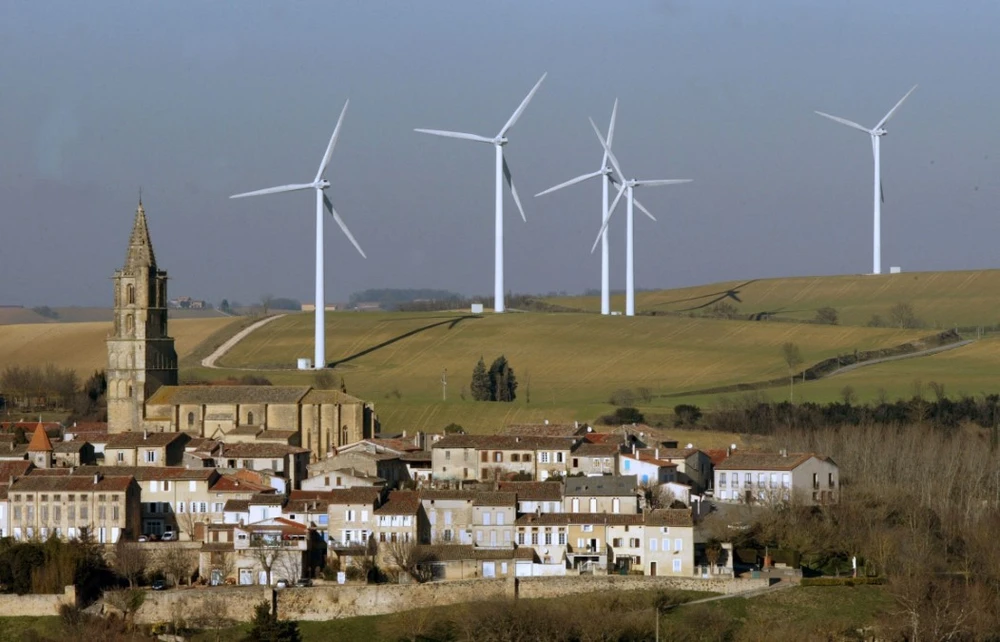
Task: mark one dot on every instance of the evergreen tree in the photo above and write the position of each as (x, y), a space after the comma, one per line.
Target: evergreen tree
(266, 627)
(503, 384)
(480, 386)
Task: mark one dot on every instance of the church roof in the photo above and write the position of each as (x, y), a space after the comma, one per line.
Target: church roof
(140, 248)
(329, 397)
(39, 441)
(198, 395)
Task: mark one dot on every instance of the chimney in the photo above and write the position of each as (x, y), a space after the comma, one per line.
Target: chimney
(546, 422)
(97, 478)
(656, 454)
(576, 424)
(633, 447)
(404, 434)
(145, 435)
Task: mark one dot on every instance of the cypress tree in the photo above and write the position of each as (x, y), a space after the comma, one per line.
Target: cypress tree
(480, 386)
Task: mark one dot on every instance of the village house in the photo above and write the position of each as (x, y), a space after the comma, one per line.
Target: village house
(310, 509)
(594, 459)
(607, 494)
(352, 516)
(546, 534)
(768, 478)
(375, 463)
(535, 497)
(449, 516)
(400, 519)
(694, 467)
(647, 466)
(288, 462)
(340, 479)
(64, 505)
(276, 549)
(669, 542)
(463, 562)
(493, 516)
(624, 536)
(145, 449)
(66, 454)
(488, 457)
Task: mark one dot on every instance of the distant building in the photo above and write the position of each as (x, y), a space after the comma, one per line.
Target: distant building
(311, 307)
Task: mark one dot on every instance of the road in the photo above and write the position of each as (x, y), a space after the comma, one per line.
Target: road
(209, 361)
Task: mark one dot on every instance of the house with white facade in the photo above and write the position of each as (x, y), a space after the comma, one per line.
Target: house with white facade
(766, 477)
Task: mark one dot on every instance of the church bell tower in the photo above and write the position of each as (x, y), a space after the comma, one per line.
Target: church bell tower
(141, 355)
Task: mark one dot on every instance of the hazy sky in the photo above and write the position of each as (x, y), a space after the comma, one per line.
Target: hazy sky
(198, 100)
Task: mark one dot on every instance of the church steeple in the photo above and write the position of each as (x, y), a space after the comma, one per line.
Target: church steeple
(140, 248)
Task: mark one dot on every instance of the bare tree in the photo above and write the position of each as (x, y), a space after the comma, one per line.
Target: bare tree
(187, 523)
(127, 601)
(130, 560)
(214, 615)
(408, 558)
(265, 303)
(848, 395)
(793, 358)
(179, 563)
(267, 552)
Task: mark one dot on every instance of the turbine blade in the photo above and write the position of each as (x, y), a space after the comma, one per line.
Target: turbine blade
(642, 208)
(607, 150)
(520, 109)
(333, 141)
(275, 190)
(463, 136)
(343, 226)
(844, 121)
(611, 212)
(893, 110)
(572, 181)
(611, 132)
(513, 190)
(881, 191)
(664, 181)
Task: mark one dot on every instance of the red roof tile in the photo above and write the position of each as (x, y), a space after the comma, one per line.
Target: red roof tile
(39, 441)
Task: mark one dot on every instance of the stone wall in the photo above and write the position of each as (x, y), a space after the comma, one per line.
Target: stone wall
(332, 602)
(35, 605)
(191, 604)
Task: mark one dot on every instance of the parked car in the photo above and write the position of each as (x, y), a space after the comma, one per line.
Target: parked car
(142, 538)
(169, 536)
(281, 584)
(303, 581)
(159, 585)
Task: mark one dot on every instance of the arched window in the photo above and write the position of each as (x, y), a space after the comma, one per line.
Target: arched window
(190, 419)
(129, 323)
(250, 418)
(593, 504)
(130, 293)
(343, 435)
(129, 389)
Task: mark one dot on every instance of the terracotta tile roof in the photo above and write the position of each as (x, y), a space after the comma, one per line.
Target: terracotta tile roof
(266, 499)
(88, 426)
(717, 455)
(605, 438)
(534, 491)
(400, 502)
(258, 450)
(203, 444)
(399, 445)
(649, 459)
(501, 442)
(136, 439)
(74, 446)
(277, 523)
(147, 473)
(217, 547)
(447, 495)
(283, 436)
(588, 449)
(251, 431)
(356, 495)
(603, 486)
(14, 451)
(236, 506)
(544, 430)
(495, 498)
(53, 428)
(249, 475)
(565, 519)
(15, 469)
(668, 453)
(416, 456)
(229, 484)
(669, 517)
(209, 395)
(39, 441)
(48, 483)
(743, 460)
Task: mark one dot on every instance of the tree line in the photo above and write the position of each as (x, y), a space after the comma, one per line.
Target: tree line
(497, 383)
(34, 388)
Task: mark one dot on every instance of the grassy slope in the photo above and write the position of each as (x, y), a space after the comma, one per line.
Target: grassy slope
(81, 345)
(574, 361)
(942, 299)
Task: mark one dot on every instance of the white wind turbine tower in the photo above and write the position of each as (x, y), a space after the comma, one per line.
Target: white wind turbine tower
(876, 133)
(319, 184)
(607, 178)
(628, 185)
(502, 172)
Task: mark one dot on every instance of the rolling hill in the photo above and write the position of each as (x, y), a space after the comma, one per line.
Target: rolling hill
(940, 299)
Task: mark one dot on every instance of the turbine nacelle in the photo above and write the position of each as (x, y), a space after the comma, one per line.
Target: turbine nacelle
(322, 184)
(879, 132)
(500, 140)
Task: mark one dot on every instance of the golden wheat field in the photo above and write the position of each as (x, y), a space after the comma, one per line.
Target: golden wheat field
(81, 345)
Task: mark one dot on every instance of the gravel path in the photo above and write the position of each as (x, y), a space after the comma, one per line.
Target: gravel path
(209, 361)
(921, 353)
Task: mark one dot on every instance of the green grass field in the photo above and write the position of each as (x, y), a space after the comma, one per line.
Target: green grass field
(940, 299)
(567, 364)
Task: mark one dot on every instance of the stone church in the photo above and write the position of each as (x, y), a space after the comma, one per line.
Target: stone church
(143, 391)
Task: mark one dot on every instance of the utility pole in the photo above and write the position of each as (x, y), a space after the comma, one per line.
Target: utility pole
(444, 385)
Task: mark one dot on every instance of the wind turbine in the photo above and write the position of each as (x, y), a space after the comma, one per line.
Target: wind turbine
(607, 178)
(319, 184)
(628, 185)
(502, 173)
(876, 133)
